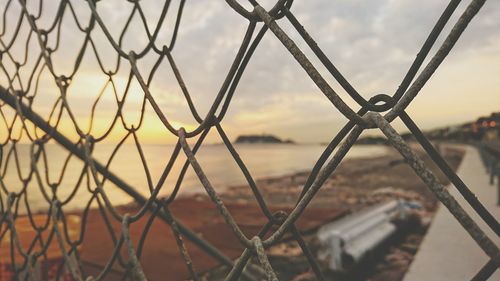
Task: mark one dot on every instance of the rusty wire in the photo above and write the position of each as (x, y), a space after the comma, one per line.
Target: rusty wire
(19, 97)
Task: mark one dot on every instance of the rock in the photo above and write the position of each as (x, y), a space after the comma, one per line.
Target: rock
(306, 276)
(410, 248)
(414, 239)
(397, 256)
(285, 249)
(426, 221)
(401, 263)
(351, 200)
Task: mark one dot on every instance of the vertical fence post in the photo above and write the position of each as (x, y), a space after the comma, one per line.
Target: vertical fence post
(498, 186)
(492, 171)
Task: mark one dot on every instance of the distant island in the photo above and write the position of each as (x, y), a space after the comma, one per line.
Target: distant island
(262, 139)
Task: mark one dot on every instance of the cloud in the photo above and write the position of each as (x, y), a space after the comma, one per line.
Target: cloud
(372, 43)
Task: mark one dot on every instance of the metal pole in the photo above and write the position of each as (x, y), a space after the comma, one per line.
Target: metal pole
(492, 171)
(498, 187)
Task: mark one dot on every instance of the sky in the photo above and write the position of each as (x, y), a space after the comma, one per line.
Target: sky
(372, 43)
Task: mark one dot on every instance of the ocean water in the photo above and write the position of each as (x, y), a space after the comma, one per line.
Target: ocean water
(262, 160)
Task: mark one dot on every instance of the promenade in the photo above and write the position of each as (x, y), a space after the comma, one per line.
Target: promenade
(448, 252)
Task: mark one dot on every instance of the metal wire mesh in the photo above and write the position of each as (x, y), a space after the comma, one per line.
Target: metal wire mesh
(21, 91)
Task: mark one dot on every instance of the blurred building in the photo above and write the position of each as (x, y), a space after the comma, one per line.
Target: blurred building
(487, 128)
(484, 128)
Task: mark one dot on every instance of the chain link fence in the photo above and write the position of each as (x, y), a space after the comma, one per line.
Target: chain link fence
(20, 90)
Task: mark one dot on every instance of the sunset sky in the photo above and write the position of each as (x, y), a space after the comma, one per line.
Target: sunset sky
(372, 43)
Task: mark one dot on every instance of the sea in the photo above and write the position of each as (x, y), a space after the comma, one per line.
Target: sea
(262, 160)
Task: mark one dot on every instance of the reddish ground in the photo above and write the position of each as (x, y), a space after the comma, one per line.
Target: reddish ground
(161, 257)
(356, 184)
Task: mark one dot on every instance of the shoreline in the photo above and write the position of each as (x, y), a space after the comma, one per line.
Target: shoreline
(357, 183)
(354, 177)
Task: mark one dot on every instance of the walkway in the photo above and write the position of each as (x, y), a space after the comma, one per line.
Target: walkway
(448, 252)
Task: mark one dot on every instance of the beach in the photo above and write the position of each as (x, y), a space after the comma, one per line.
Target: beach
(358, 182)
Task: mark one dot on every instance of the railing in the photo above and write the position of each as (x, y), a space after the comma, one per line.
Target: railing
(18, 96)
(490, 153)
